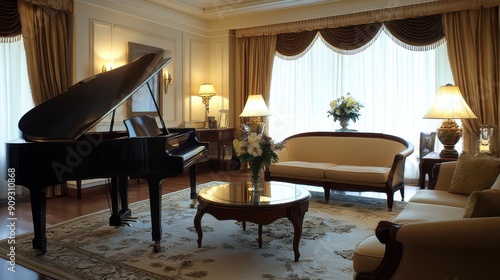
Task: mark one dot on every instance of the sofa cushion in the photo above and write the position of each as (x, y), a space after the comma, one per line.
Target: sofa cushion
(496, 184)
(440, 198)
(483, 204)
(423, 212)
(300, 168)
(368, 174)
(368, 254)
(474, 173)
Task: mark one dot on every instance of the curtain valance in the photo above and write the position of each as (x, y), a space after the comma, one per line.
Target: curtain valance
(414, 33)
(383, 15)
(421, 33)
(10, 24)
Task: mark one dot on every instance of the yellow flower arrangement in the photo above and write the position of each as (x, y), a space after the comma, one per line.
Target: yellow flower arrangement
(345, 108)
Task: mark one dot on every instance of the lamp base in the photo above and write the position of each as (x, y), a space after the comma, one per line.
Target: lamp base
(448, 134)
(448, 153)
(257, 127)
(255, 124)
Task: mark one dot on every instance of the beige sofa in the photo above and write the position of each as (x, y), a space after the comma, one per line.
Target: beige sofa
(344, 161)
(442, 233)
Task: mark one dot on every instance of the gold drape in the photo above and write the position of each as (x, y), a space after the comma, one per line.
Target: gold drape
(472, 41)
(46, 33)
(253, 68)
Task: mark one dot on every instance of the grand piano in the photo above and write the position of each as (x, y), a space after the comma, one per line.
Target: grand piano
(57, 146)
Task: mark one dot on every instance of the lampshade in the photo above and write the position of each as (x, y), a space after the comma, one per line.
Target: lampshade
(255, 107)
(449, 104)
(206, 90)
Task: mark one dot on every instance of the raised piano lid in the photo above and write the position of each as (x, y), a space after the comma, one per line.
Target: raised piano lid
(69, 115)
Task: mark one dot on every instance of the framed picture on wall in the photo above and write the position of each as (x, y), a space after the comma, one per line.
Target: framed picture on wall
(141, 102)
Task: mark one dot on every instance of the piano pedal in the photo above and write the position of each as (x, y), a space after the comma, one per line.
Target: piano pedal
(131, 219)
(126, 224)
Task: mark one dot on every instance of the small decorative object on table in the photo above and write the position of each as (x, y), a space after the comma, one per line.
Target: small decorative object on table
(345, 109)
(259, 150)
(486, 141)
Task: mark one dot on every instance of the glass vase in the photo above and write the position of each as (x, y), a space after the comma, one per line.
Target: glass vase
(344, 122)
(256, 170)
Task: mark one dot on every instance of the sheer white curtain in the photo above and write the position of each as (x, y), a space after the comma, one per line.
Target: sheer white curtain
(15, 99)
(395, 85)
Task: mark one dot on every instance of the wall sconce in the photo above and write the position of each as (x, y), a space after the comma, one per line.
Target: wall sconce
(206, 92)
(167, 80)
(255, 109)
(449, 105)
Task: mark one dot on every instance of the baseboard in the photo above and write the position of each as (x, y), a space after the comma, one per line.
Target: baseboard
(89, 188)
(86, 192)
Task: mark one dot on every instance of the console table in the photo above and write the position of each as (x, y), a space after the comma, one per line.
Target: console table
(427, 163)
(220, 137)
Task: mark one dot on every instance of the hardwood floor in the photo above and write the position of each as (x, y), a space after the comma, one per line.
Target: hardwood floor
(61, 209)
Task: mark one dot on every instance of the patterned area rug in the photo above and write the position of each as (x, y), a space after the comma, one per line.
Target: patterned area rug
(88, 248)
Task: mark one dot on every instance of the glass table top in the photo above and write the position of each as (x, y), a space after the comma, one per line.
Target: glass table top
(271, 193)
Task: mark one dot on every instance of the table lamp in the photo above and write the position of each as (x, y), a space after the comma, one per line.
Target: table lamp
(206, 92)
(255, 109)
(449, 105)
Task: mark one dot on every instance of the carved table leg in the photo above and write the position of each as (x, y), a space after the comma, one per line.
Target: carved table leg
(197, 222)
(297, 214)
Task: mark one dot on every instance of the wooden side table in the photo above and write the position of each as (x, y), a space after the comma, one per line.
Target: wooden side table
(221, 137)
(426, 165)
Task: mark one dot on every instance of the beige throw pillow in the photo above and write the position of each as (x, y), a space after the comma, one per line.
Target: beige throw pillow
(474, 173)
(483, 204)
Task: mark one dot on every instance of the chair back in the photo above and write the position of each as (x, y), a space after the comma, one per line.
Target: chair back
(427, 142)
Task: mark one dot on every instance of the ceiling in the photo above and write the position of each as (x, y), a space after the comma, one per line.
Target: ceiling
(219, 16)
(211, 10)
(217, 10)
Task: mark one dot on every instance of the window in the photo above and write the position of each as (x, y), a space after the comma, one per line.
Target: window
(15, 99)
(395, 85)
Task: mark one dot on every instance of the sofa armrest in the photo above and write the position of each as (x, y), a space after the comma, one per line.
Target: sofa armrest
(283, 154)
(442, 175)
(459, 249)
(455, 249)
(396, 175)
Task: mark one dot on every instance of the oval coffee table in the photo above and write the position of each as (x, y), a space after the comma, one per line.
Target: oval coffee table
(236, 201)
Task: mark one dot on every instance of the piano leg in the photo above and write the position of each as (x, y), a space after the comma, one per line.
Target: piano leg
(119, 192)
(115, 219)
(192, 184)
(123, 192)
(155, 191)
(39, 213)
